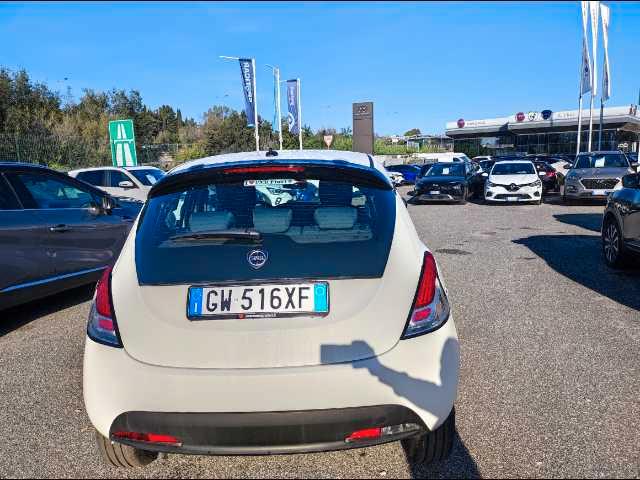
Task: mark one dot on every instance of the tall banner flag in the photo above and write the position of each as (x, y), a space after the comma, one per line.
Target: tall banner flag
(247, 72)
(293, 118)
(606, 82)
(586, 77)
(595, 22)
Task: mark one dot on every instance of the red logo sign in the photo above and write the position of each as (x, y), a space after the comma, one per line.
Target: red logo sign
(520, 117)
(461, 123)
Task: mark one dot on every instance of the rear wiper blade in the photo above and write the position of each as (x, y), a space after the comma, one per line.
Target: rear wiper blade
(246, 235)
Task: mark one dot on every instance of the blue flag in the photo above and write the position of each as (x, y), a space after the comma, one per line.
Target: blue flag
(247, 74)
(293, 118)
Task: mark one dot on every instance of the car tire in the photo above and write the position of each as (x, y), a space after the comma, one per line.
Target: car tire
(433, 446)
(612, 243)
(124, 456)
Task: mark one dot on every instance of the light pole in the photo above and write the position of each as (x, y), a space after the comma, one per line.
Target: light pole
(255, 97)
(276, 83)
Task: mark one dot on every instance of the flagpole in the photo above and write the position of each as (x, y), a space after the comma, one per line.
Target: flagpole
(580, 109)
(278, 107)
(601, 120)
(299, 116)
(255, 105)
(594, 69)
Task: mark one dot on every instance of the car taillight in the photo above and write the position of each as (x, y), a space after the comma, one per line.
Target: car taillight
(266, 169)
(149, 438)
(550, 174)
(430, 309)
(381, 432)
(102, 327)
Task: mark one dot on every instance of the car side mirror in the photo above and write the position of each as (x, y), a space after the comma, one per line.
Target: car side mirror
(485, 174)
(631, 181)
(107, 205)
(126, 184)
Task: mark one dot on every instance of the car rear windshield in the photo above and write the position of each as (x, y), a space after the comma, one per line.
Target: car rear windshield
(149, 176)
(519, 168)
(302, 226)
(612, 160)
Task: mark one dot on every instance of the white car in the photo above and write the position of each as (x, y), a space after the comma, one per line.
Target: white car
(513, 181)
(230, 326)
(131, 182)
(396, 178)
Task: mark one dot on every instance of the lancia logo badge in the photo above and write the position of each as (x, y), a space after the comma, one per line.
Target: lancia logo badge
(257, 258)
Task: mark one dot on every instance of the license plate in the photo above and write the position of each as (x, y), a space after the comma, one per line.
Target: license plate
(512, 199)
(600, 193)
(258, 301)
(434, 192)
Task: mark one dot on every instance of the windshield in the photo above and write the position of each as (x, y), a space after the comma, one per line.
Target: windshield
(486, 165)
(446, 170)
(148, 176)
(516, 168)
(306, 227)
(615, 160)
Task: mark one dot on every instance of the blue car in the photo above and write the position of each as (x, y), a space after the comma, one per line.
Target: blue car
(409, 172)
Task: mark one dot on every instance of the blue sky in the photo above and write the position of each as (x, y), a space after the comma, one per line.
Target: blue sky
(421, 63)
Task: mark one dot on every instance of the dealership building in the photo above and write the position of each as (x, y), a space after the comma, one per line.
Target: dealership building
(546, 131)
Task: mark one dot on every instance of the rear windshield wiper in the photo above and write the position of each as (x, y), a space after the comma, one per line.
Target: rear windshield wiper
(252, 236)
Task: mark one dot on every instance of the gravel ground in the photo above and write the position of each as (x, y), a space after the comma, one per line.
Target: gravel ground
(549, 380)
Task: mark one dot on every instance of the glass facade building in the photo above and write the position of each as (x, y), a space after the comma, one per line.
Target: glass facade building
(546, 132)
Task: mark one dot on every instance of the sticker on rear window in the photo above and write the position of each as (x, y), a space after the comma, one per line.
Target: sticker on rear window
(445, 171)
(270, 182)
(599, 163)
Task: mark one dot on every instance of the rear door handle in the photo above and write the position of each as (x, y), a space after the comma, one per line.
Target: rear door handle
(59, 228)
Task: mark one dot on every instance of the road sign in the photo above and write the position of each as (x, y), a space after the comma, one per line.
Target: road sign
(327, 140)
(123, 143)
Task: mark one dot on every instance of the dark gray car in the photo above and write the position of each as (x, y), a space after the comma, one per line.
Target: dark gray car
(56, 232)
(595, 175)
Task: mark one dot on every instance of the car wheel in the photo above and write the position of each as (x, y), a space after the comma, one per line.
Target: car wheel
(119, 455)
(612, 243)
(433, 446)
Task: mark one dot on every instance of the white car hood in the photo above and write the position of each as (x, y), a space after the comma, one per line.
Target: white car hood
(509, 179)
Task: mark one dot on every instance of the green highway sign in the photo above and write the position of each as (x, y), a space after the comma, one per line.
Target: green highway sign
(123, 143)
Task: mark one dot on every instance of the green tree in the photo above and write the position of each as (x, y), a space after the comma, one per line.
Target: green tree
(412, 132)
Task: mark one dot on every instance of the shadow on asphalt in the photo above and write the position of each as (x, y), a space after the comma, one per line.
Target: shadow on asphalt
(459, 465)
(17, 317)
(579, 258)
(589, 221)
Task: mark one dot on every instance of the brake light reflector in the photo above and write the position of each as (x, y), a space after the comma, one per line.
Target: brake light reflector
(102, 327)
(149, 438)
(430, 308)
(364, 434)
(266, 169)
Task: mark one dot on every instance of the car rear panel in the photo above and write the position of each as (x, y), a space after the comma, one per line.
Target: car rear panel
(368, 308)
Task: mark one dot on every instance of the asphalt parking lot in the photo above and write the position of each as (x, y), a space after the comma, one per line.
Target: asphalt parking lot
(550, 363)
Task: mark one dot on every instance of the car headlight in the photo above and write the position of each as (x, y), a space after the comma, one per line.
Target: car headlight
(537, 183)
(489, 184)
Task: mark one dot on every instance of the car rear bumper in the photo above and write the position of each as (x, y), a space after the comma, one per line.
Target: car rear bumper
(419, 374)
(523, 194)
(267, 433)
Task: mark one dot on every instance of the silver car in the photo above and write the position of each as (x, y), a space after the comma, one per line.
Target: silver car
(595, 175)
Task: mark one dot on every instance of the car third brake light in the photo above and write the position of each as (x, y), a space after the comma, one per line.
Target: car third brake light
(266, 169)
(430, 309)
(102, 327)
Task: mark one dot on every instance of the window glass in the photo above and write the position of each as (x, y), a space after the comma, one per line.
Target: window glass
(615, 160)
(48, 191)
(116, 176)
(8, 200)
(94, 177)
(515, 168)
(148, 176)
(446, 169)
(308, 227)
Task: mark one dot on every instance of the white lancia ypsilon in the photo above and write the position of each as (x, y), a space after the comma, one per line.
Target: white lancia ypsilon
(230, 326)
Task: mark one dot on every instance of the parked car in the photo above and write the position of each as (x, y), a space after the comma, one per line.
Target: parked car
(131, 182)
(409, 172)
(56, 232)
(595, 175)
(223, 322)
(621, 222)
(481, 158)
(548, 175)
(431, 158)
(448, 182)
(513, 181)
(396, 178)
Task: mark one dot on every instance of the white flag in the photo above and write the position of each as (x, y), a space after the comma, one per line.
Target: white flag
(585, 70)
(595, 22)
(606, 80)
